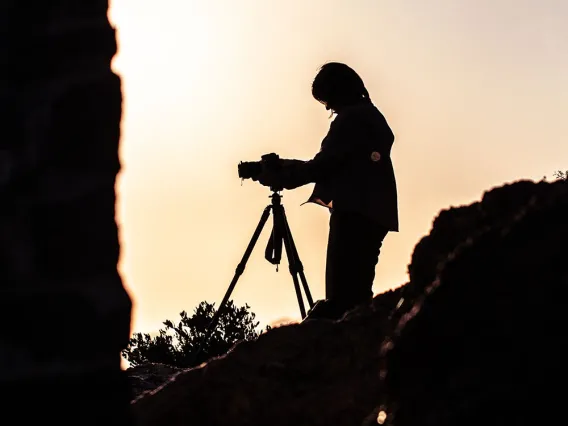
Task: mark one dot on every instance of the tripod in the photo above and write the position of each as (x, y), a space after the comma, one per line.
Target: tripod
(280, 234)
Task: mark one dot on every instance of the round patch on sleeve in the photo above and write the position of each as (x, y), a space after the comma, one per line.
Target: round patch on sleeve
(375, 156)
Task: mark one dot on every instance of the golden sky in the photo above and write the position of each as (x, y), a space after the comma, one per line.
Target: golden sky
(476, 92)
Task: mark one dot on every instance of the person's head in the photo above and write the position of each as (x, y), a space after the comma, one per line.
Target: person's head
(337, 85)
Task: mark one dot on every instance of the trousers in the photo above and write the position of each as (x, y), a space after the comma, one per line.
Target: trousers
(353, 249)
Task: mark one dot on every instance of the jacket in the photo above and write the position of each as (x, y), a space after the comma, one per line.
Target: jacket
(353, 170)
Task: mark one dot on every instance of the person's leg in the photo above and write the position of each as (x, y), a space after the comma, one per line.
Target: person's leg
(352, 254)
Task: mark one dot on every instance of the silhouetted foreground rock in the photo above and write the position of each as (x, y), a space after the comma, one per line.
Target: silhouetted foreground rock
(484, 345)
(290, 375)
(456, 354)
(455, 225)
(64, 312)
(148, 377)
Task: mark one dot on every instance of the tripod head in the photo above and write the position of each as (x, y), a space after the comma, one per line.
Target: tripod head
(275, 193)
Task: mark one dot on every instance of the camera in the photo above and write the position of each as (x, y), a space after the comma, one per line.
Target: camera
(252, 169)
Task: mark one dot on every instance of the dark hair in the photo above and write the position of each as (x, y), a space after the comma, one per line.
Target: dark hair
(337, 84)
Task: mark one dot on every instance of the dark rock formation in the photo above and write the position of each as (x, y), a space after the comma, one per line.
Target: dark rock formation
(293, 369)
(148, 377)
(498, 269)
(456, 225)
(484, 345)
(64, 311)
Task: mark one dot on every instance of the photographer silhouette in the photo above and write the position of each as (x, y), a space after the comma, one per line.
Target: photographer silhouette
(354, 179)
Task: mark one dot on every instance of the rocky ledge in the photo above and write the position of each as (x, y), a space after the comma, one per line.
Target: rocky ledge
(476, 325)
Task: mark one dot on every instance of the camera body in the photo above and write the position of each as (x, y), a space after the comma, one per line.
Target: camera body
(252, 169)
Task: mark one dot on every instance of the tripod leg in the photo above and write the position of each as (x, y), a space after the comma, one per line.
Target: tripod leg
(238, 272)
(280, 221)
(299, 267)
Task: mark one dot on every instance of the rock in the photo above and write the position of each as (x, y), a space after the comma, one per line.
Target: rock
(482, 344)
(455, 225)
(149, 377)
(65, 312)
(289, 375)
(489, 279)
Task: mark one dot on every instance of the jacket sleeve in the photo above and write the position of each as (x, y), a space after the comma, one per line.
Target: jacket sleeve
(336, 149)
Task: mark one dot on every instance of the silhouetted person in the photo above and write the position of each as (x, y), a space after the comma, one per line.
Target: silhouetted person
(354, 178)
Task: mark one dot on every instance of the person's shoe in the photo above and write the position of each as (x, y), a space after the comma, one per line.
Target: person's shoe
(324, 309)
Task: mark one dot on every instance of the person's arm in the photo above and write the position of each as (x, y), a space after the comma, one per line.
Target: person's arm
(335, 151)
(285, 162)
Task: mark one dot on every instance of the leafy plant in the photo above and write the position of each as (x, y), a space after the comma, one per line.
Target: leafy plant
(177, 343)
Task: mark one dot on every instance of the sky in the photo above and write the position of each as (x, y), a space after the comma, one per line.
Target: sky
(475, 91)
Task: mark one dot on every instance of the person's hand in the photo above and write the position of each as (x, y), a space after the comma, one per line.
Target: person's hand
(277, 178)
(269, 178)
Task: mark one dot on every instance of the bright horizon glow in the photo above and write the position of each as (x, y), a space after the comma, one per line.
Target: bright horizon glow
(475, 91)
